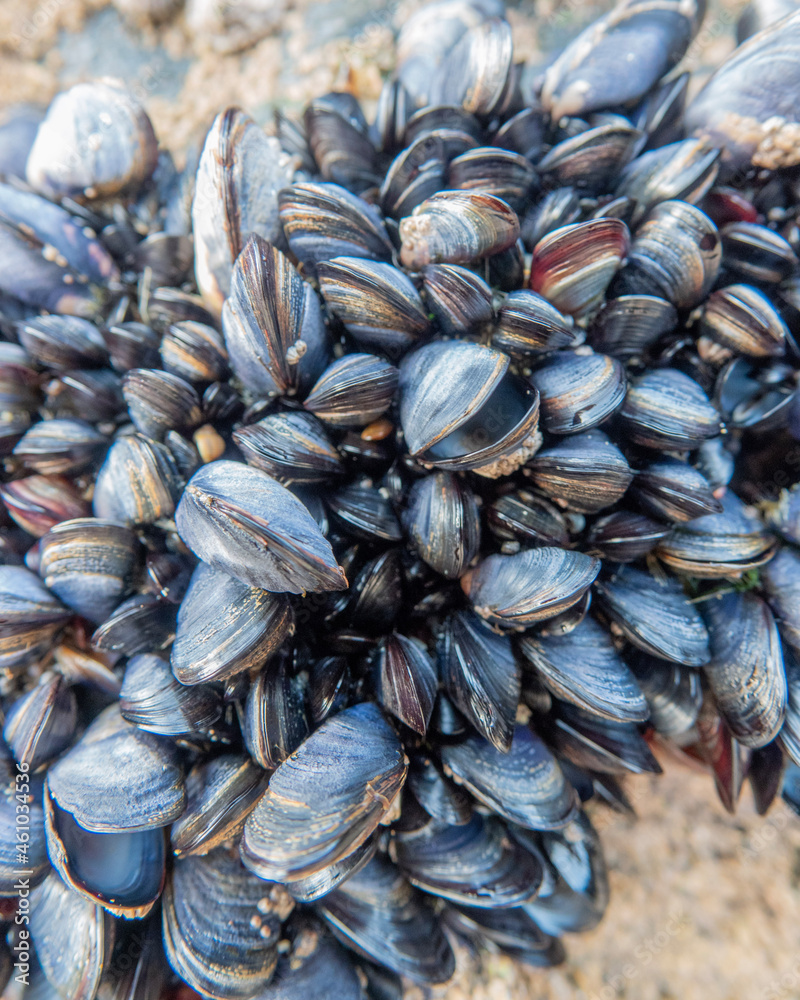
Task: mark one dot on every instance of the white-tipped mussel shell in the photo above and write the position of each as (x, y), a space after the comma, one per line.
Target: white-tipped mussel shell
(242, 521)
(656, 616)
(122, 872)
(226, 627)
(377, 303)
(291, 447)
(584, 472)
(683, 170)
(138, 483)
(572, 266)
(528, 324)
(667, 410)
(228, 207)
(629, 325)
(749, 105)
(481, 675)
(322, 221)
(96, 141)
(353, 391)
(272, 321)
(457, 227)
(30, 617)
(674, 491)
(525, 785)
(442, 520)
(740, 319)
(73, 938)
(476, 863)
(221, 926)
(326, 799)
(461, 408)
(460, 300)
(60, 445)
(519, 590)
(152, 699)
(578, 391)
(725, 544)
(219, 796)
(645, 38)
(585, 668)
(406, 681)
(746, 673)
(42, 722)
(89, 564)
(381, 915)
(119, 777)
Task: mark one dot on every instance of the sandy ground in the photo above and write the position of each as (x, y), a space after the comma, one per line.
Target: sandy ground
(704, 906)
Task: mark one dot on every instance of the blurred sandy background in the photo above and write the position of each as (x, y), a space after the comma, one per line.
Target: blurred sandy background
(704, 906)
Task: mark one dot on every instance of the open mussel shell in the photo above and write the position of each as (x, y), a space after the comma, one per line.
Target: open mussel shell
(528, 324)
(378, 305)
(42, 722)
(291, 447)
(221, 926)
(406, 681)
(378, 914)
(30, 617)
(438, 795)
(629, 325)
(153, 700)
(533, 585)
(748, 106)
(274, 718)
(586, 76)
(194, 351)
(481, 675)
(460, 300)
(682, 170)
(321, 221)
(73, 938)
(227, 207)
(624, 536)
(242, 521)
(138, 483)
(462, 408)
(585, 472)
(272, 321)
(89, 564)
(326, 799)
(522, 516)
(315, 966)
(726, 544)
(741, 320)
(442, 520)
(675, 255)
(353, 391)
(96, 141)
(524, 785)
(655, 615)
(585, 668)
(226, 627)
(591, 161)
(364, 512)
(780, 579)
(119, 777)
(746, 673)
(60, 445)
(674, 694)
(475, 863)
(220, 794)
(124, 872)
(674, 491)
(63, 342)
(597, 744)
(578, 391)
(457, 227)
(572, 266)
(667, 410)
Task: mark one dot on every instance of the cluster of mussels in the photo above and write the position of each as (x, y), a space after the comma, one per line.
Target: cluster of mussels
(376, 495)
